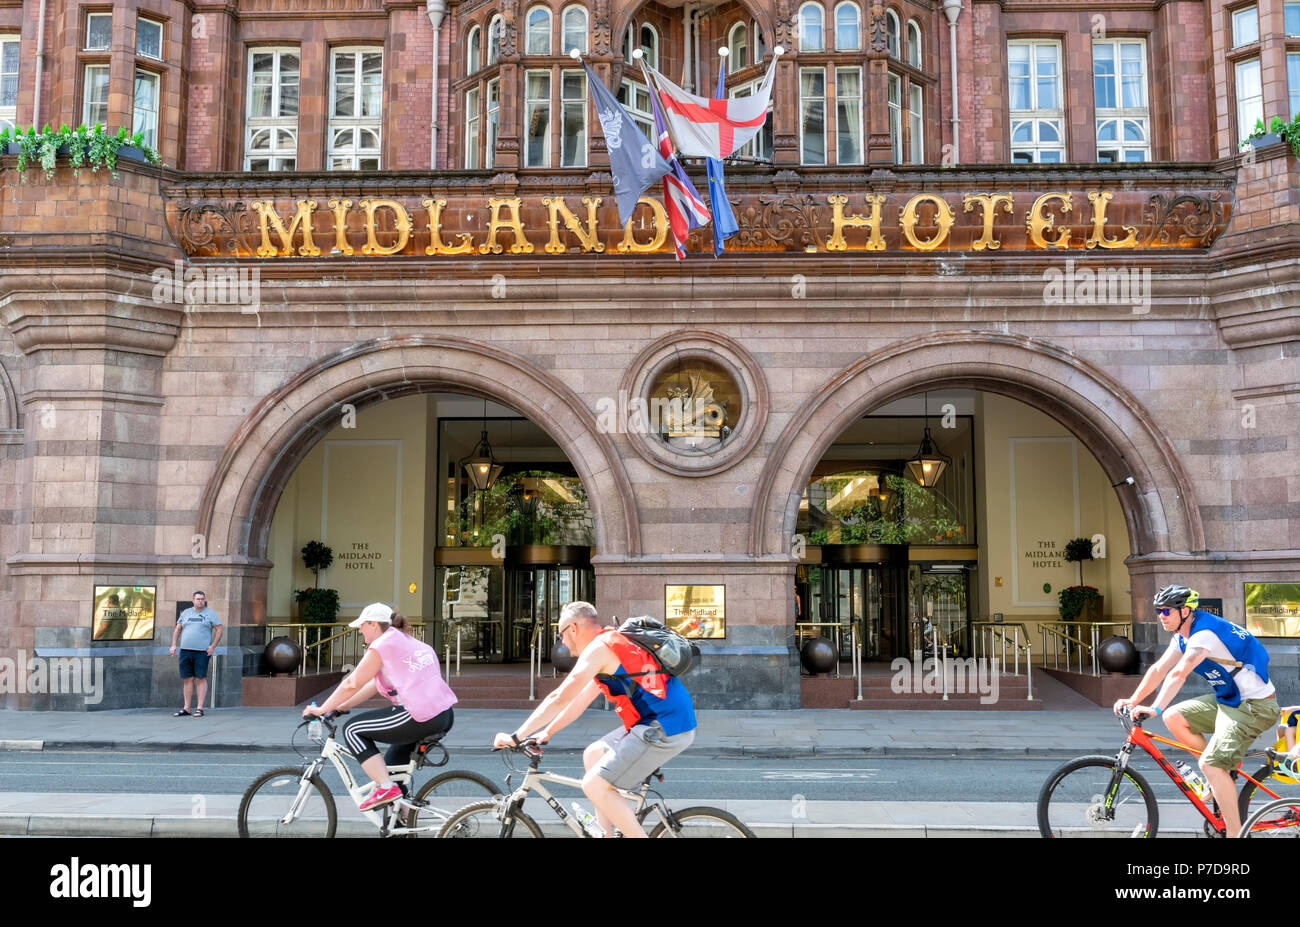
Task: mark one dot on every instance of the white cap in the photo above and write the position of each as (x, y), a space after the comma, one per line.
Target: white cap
(375, 612)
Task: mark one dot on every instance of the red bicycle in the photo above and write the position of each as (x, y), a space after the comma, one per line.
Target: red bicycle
(1101, 796)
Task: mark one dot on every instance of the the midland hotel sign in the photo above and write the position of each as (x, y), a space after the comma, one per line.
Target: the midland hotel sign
(292, 220)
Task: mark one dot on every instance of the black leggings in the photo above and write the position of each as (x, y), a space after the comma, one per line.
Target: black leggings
(393, 726)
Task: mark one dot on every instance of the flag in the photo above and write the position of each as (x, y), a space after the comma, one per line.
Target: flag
(634, 162)
(724, 220)
(713, 128)
(686, 210)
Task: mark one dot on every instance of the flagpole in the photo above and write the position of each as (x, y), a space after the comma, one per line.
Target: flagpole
(658, 101)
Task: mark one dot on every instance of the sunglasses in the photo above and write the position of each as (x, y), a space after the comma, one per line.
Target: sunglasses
(1164, 612)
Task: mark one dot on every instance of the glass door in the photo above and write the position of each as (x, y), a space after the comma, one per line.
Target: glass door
(535, 595)
(840, 597)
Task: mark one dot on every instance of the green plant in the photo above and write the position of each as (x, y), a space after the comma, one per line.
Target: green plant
(1077, 551)
(1073, 601)
(85, 145)
(1288, 131)
(316, 557)
(319, 606)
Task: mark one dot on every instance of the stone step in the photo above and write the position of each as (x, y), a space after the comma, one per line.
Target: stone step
(936, 703)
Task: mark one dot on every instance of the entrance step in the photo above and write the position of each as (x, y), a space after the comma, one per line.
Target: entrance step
(878, 693)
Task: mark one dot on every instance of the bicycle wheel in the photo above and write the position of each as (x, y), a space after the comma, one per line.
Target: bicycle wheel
(1279, 818)
(271, 796)
(701, 822)
(1252, 797)
(1072, 802)
(484, 819)
(445, 793)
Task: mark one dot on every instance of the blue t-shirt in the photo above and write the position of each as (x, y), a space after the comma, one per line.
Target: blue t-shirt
(675, 712)
(196, 628)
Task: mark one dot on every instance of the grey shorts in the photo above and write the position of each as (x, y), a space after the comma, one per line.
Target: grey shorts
(632, 755)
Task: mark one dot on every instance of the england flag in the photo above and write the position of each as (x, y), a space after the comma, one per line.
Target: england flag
(705, 128)
(685, 209)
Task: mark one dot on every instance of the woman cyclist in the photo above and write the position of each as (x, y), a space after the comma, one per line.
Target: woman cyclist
(405, 671)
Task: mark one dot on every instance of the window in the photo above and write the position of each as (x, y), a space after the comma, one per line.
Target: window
(760, 46)
(1037, 112)
(145, 119)
(148, 38)
(760, 146)
(891, 32)
(474, 44)
(539, 31)
(812, 115)
(99, 31)
(916, 122)
(537, 119)
(811, 27)
(847, 30)
(1293, 83)
(575, 30)
(896, 117)
(737, 48)
(95, 95)
(1245, 26)
(271, 138)
(1250, 98)
(1291, 18)
(573, 119)
(848, 115)
(913, 43)
(650, 45)
(471, 129)
(356, 94)
(636, 100)
(495, 30)
(8, 80)
(1120, 96)
(493, 121)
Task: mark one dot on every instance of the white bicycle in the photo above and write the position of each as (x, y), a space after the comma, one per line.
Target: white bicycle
(295, 801)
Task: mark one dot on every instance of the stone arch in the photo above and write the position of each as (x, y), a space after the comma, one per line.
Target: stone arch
(623, 17)
(9, 418)
(1159, 510)
(240, 497)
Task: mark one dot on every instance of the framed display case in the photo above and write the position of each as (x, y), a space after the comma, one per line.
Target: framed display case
(123, 613)
(696, 611)
(1273, 609)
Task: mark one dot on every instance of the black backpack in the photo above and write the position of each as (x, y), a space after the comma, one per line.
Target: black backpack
(675, 654)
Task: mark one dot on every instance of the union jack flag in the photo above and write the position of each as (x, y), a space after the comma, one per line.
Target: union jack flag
(686, 210)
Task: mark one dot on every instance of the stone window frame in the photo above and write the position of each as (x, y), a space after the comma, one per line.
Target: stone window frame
(545, 33)
(157, 78)
(915, 46)
(1121, 114)
(821, 27)
(357, 123)
(1037, 116)
(275, 155)
(735, 49)
(578, 104)
(1244, 124)
(564, 27)
(9, 114)
(87, 15)
(473, 122)
(806, 99)
(86, 85)
(915, 123)
(1294, 8)
(473, 50)
(532, 104)
(1233, 14)
(893, 34)
(857, 25)
(651, 58)
(861, 114)
(162, 37)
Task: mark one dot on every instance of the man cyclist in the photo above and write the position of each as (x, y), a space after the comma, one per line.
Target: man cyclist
(1241, 707)
(657, 713)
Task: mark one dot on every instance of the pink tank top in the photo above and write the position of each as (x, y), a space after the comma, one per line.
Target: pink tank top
(410, 675)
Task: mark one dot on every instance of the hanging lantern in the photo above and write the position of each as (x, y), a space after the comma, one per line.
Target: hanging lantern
(481, 466)
(929, 463)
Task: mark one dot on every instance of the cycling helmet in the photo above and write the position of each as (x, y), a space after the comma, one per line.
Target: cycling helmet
(1177, 597)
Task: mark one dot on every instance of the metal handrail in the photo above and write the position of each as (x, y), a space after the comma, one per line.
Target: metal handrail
(1000, 629)
(1060, 631)
(825, 624)
(339, 632)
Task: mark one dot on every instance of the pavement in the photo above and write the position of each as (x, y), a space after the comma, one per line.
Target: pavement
(1062, 732)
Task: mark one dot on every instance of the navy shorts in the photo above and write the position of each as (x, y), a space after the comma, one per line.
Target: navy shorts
(194, 663)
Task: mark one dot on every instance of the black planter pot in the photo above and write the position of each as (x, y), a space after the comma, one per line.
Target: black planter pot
(1261, 141)
(131, 153)
(12, 148)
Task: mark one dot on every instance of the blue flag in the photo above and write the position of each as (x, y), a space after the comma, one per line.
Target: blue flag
(724, 222)
(633, 160)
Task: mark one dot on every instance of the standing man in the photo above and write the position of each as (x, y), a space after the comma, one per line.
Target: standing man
(1241, 707)
(198, 631)
(656, 710)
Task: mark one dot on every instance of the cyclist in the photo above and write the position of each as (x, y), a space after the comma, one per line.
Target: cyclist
(405, 671)
(657, 712)
(1241, 707)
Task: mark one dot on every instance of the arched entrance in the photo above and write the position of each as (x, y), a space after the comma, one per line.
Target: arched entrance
(240, 499)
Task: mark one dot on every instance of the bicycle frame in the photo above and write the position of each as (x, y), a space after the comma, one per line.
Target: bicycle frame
(532, 783)
(336, 755)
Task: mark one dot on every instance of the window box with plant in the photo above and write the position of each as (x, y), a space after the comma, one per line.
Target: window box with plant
(83, 147)
(1080, 603)
(1277, 131)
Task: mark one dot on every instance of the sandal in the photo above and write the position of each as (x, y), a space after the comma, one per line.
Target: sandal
(180, 714)
(198, 712)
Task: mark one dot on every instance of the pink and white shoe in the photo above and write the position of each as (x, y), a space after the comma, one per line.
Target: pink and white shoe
(381, 797)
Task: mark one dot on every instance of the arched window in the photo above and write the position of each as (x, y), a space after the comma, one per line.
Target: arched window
(539, 32)
(495, 30)
(847, 28)
(913, 43)
(575, 30)
(760, 47)
(738, 48)
(475, 47)
(891, 32)
(812, 25)
(650, 45)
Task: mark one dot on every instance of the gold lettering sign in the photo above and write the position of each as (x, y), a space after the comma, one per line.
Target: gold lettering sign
(1037, 222)
(436, 244)
(989, 203)
(266, 209)
(403, 222)
(943, 218)
(839, 222)
(340, 209)
(513, 224)
(659, 224)
(588, 238)
(1098, 237)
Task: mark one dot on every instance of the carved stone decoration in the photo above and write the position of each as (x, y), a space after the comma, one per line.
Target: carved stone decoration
(1199, 218)
(600, 30)
(879, 40)
(785, 26)
(212, 228)
(790, 220)
(509, 37)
